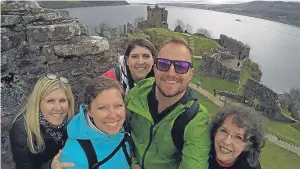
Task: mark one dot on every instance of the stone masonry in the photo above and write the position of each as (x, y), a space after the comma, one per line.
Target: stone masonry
(33, 37)
(239, 49)
(268, 99)
(157, 17)
(218, 65)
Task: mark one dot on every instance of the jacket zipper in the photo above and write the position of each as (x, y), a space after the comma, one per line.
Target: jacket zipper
(148, 146)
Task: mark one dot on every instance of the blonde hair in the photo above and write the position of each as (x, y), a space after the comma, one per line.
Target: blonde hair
(31, 110)
(176, 40)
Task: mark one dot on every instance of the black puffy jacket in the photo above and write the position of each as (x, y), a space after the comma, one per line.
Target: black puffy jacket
(23, 158)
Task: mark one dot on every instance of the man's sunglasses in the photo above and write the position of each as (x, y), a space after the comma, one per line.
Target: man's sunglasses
(180, 67)
(54, 77)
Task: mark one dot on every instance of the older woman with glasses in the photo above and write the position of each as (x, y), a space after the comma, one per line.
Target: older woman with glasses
(237, 139)
(39, 131)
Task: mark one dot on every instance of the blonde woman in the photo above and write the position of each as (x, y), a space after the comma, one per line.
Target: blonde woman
(39, 130)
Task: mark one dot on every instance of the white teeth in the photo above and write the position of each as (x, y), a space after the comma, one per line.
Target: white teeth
(140, 68)
(114, 124)
(224, 150)
(172, 82)
(57, 115)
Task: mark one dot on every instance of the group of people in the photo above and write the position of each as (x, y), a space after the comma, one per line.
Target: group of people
(139, 115)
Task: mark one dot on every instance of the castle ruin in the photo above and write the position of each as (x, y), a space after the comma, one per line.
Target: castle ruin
(239, 49)
(156, 18)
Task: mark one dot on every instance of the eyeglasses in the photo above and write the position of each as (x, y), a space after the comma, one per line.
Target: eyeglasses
(180, 67)
(235, 138)
(54, 77)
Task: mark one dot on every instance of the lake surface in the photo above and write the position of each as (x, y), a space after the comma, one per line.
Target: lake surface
(274, 46)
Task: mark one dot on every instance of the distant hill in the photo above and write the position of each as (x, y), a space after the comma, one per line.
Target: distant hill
(279, 11)
(76, 4)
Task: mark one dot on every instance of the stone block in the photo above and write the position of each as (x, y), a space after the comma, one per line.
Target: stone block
(10, 39)
(58, 32)
(9, 20)
(88, 46)
(20, 5)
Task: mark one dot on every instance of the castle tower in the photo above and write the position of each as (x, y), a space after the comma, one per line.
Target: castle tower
(157, 17)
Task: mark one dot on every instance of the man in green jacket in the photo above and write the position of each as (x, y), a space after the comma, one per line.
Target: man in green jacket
(156, 103)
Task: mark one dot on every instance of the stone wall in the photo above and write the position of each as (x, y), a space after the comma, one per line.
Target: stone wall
(157, 17)
(267, 98)
(239, 49)
(214, 66)
(33, 37)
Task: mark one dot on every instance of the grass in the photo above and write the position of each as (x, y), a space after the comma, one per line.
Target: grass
(159, 35)
(296, 126)
(283, 131)
(286, 113)
(274, 157)
(211, 107)
(211, 83)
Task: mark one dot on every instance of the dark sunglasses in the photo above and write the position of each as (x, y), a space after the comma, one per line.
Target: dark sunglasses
(53, 77)
(180, 67)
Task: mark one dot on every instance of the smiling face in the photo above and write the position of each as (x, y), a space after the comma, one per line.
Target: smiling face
(54, 106)
(170, 83)
(140, 62)
(108, 111)
(229, 141)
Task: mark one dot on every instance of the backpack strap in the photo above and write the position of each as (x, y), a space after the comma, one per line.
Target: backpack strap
(126, 153)
(179, 125)
(97, 164)
(119, 77)
(118, 73)
(89, 150)
(90, 153)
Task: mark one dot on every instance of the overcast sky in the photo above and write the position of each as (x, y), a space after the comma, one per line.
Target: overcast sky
(203, 1)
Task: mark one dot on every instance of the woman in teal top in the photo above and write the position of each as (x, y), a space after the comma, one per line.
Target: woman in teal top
(96, 138)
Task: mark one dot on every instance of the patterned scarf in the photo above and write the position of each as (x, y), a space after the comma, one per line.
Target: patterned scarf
(54, 131)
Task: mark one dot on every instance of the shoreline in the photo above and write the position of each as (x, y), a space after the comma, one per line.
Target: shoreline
(228, 10)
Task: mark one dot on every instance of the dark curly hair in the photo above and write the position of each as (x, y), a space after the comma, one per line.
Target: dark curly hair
(254, 131)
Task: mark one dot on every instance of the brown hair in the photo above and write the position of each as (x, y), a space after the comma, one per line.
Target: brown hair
(98, 85)
(140, 42)
(176, 40)
(254, 131)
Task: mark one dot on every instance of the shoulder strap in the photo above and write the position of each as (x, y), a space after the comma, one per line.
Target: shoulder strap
(90, 153)
(118, 73)
(89, 150)
(97, 164)
(119, 77)
(179, 125)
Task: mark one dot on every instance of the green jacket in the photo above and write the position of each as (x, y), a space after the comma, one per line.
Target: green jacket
(153, 144)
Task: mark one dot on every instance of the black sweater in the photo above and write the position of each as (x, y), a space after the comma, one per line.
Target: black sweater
(23, 158)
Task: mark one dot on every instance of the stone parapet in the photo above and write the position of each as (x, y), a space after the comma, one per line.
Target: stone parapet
(36, 41)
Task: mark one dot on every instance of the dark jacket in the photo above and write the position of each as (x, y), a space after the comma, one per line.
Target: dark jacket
(122, 74)
(241, 163)
(23, 158)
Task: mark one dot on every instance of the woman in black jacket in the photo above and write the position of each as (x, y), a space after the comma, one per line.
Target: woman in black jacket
(237, 138)
(39, 130)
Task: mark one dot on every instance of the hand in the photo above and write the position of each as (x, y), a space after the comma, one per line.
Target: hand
(56, 164)
(135, 166)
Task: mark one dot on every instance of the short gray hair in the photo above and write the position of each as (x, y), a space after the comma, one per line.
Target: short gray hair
(254, 131)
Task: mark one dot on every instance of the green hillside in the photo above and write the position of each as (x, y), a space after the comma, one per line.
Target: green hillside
(158, 35)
